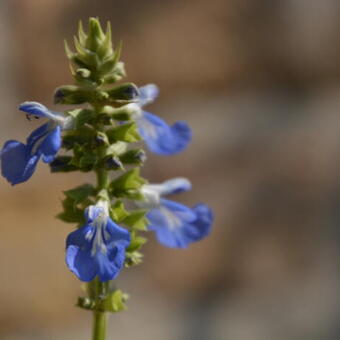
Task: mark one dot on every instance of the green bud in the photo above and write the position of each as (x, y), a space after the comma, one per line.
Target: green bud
(117, 74)
(71, 94)
(112, 163)
(135, 156)
(95, 35)
(122, 113)
(62, 164)
(101, 139)
(124, 92)
(86, 303)
(83, 73)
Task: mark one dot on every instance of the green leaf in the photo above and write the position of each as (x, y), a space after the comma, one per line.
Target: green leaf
(81, 117)
(116, 148)
(118, 212)
(126, 132)
(88, 160)
(136, 220)
(71, 213)
(128, 185)
(80, 193)
(136, 243)
(83, 135)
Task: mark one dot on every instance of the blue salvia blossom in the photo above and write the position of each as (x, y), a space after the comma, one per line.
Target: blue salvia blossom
(159, 137)
(175, 224)
(19, 160)
(98, 247)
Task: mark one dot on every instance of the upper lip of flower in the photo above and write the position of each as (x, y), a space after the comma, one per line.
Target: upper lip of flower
(153, 192)
(38, 110)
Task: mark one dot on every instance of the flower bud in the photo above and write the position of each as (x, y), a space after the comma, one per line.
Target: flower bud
(125, 92)
(71, 94)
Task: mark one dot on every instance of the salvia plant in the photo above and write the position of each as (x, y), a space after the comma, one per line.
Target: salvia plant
(105, 136)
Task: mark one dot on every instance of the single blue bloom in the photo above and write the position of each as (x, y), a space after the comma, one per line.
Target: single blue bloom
(98, 247)
(175, 224)
(159, 137)
(19, 160)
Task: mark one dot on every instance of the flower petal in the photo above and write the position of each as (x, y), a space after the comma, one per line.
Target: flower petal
(37, 109)
(203, 222)
(110, 264)
(147, 94)
(81, 237)
(160, 137)
(78, 253)
(177, 226)
(38, 134)
(17, 162)
(174, 186)
(89, 254)
(51, 145)
(114, 234)
(81, 263)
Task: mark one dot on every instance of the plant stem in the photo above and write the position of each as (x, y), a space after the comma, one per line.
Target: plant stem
(97, 288)
(99, 325)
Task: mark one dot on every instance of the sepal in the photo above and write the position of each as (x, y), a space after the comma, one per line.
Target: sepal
(127, 132)
(62, 164)
(76, 200)
(81, 117)
(118, 212)
(71, 94)
(113, 302)
(136, 220)
(124, 92)
(128, 185)
(134, 156)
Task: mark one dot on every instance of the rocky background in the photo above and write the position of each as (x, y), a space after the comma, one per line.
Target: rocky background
(259, 82)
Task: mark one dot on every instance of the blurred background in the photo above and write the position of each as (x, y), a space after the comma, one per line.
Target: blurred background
(259, 82)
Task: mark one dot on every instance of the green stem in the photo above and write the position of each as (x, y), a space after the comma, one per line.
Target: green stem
(102, 179)
(98, 289)
(99, 325)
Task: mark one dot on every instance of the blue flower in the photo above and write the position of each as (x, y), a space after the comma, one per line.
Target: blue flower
(19, 160)
(159, 137)
(98, 247)
(175, 225)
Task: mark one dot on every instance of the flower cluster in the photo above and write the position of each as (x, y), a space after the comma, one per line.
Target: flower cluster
(105, 138)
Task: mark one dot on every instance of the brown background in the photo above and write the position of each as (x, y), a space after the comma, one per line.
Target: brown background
(258, 81)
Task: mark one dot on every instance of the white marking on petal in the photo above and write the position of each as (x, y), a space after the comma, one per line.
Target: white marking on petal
(148, 128)
(173, 220)
(99, 223)
(39, 141)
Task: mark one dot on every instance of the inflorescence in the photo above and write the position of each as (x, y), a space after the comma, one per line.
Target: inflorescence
(104, 136)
